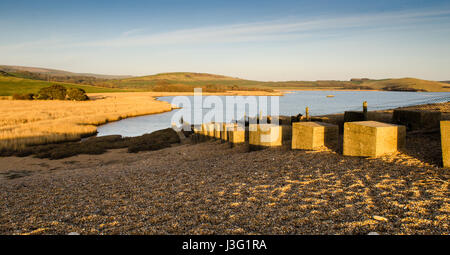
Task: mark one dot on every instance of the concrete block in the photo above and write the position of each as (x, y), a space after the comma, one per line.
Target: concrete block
(314, 135)
(445, 141)
(417, 119)
(236, 134)
(211, 129)
(208, 129)
(217, 129)
(203, 131)
(372, 138)
(224, 132)
(265, 135)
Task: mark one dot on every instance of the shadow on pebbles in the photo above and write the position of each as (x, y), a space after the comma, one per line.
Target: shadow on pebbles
(211, 188)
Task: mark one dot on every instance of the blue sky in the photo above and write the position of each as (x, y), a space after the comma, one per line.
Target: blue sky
(261, 40)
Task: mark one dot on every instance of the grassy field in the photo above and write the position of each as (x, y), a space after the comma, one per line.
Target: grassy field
(40, 122)
(11, 85)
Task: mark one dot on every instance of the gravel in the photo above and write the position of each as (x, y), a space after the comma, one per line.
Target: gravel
(210, 188)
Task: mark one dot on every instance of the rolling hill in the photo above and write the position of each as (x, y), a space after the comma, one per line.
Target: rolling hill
(190, 80)
(407, 84)
(52, 75)
(21, 70)
(30, 78)
(186, 77)
(184, 81)
(10, 85)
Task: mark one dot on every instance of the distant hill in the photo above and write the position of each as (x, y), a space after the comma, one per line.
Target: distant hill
(407, 84)
(179, 76)
(52, 75)
(186, 81)
(10, 85)
(56, 73)
(3, 73)
(189, 80)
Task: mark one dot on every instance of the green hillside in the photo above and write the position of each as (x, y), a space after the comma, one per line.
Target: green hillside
(10, 85)
(407, 84)
(185, 77)
(187, 81)
(49, 73)
(183, 81)
(17, 79)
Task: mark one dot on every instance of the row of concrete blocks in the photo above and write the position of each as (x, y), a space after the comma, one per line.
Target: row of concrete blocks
(363, 138)
(230, 132)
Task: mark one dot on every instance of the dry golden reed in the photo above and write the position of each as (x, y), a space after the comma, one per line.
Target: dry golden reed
(40, 122)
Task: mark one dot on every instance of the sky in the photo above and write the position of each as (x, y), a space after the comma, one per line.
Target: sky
(258, 40)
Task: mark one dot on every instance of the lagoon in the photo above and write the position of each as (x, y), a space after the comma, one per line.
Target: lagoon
(291, 103)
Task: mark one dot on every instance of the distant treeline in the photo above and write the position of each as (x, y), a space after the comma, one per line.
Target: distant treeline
(55, 92)
(321, 84)
(212, 88)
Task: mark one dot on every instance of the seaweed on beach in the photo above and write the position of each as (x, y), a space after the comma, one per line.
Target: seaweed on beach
(154, 141)
(98, 145)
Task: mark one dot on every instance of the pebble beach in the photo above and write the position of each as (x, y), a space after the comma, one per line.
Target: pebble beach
(213, 188)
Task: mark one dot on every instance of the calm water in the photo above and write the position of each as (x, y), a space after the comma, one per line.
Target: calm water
(290, 104)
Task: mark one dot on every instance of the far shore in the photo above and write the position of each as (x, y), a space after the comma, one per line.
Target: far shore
(338, 89)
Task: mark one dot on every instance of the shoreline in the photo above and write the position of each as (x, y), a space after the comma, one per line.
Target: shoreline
(28, 123)
(106, 108)
(336, 118)
(43, 122)
(169, 94)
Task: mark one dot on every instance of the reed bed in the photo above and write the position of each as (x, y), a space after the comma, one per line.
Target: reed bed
(40, 122)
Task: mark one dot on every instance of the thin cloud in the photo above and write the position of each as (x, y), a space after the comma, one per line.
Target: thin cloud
(132, 32)
(273, 30)
(256, 32)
